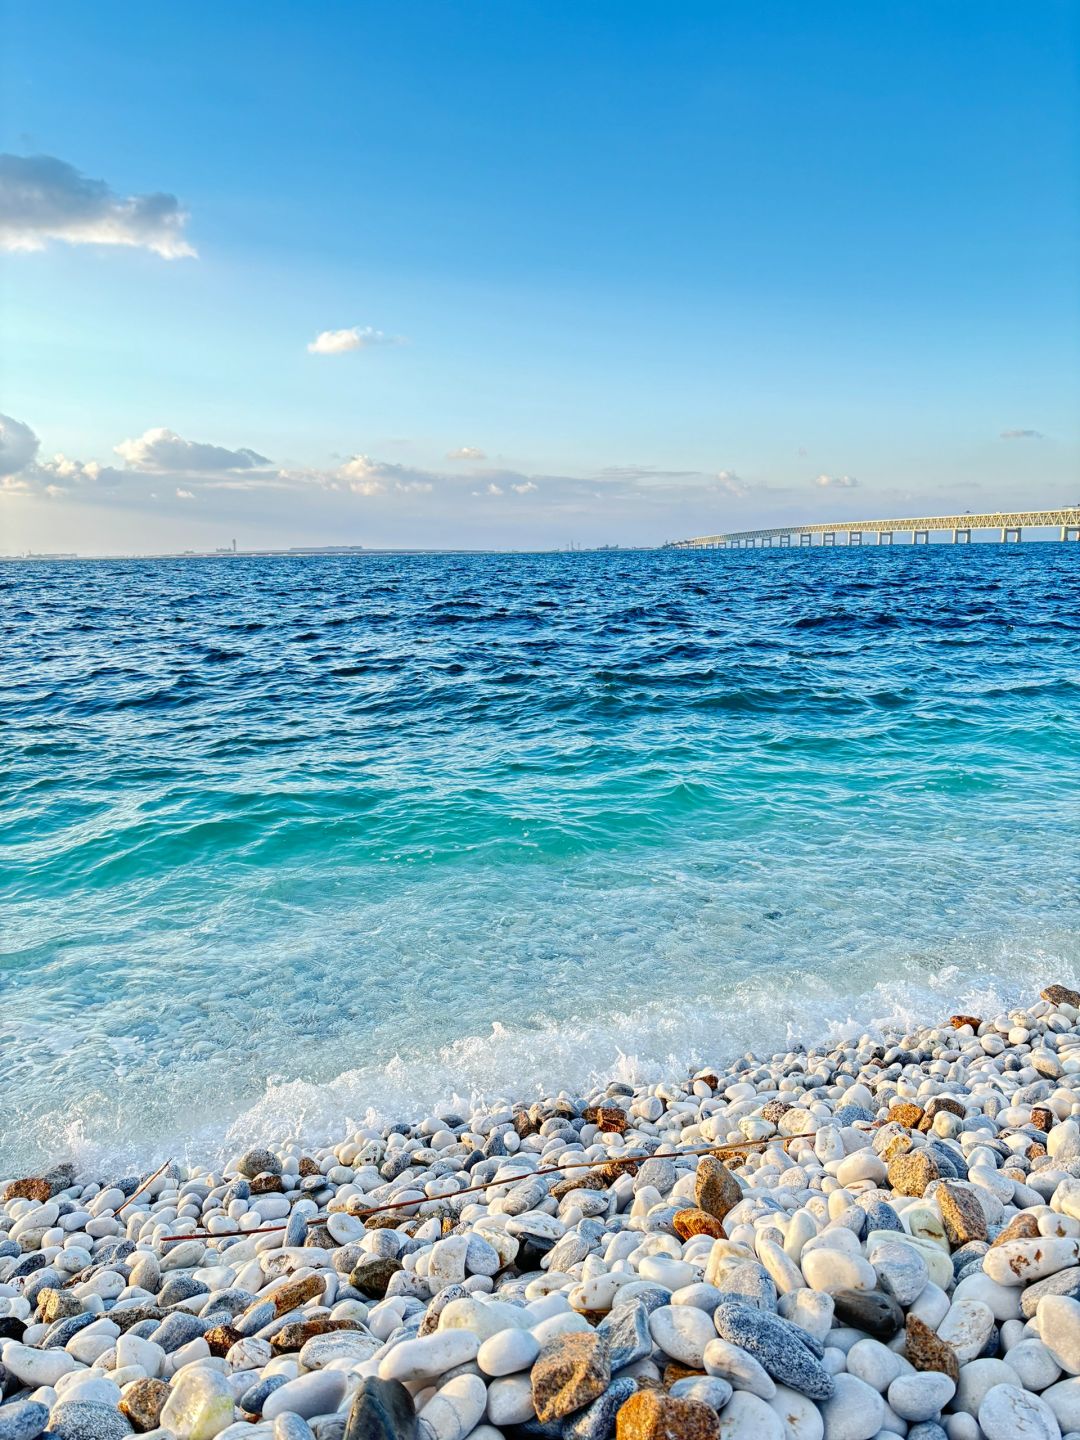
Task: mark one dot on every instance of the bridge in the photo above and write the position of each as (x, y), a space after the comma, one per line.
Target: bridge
(1010, 524)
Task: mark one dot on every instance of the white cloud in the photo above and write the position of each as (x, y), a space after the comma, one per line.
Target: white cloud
(494, 489)
(43, 199)
(836, 482)
(466, 452)
(338, 342)
(18, 445)
(731, 484)
(526, 487)
(184, 494)
(163, 449)
(1022, 435)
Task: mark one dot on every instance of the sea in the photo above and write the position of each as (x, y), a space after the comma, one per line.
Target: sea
(290, 845)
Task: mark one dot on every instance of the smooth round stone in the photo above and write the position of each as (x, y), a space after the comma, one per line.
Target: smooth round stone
(872, 1311)
(455, 1409)
(1002, 1300)
(89, 1387)
(832, 1271)
(748, 1417)
(800, 1416)
(875, 1364)
(1019, 1262)
(318, 1393)
(811, 1310)
(345, 1228)
(709, 1389)
(508, 1352)
(672, 1274)
(36, 1367)
(701, 1296)
(380, 1410)
(1008, 1412)
(855, 1412)
(199, 1406)
(484, 1317)
(291, 1427)
(922, 1396)
(429, 1355)
(967, 1327)
(901, 1270)
(1034, 1364)
(682, 1333)
(510, 1400)
(1064, 1400)
(733, 1364)
(1058, 1319)
(978, 1379)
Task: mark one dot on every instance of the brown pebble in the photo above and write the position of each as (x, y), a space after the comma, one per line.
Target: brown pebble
(143, 1401)
(221, 1339)
(611, 1118)
(904, 1113)
(1061, 995)
(293, 1295)
(34, 1187)
(959, 1021)
(715, 1190)
(587, 1180)
(910, 1174)
(1042, 1117)
(649, 1415)
(57, 1305)
(961, 1214)
(296, 1335)
(674, 1371)
(308, 1167)
(693, 1221)
(1021, 1227)
(927, 1351)
(267, 1184)
(571, 1370)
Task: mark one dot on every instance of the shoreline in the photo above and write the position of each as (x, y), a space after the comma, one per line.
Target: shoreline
(576, 1265)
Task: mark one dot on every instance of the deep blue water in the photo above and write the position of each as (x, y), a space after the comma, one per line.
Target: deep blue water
(285, 839)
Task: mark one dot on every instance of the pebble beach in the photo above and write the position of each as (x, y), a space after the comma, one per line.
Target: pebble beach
(871, 1240)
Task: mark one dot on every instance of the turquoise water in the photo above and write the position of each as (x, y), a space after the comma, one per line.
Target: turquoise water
(286, 842)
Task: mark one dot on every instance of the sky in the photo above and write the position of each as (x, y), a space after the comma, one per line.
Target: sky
(529, 274)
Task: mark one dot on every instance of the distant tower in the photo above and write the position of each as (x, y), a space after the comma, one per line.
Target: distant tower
(234, 547)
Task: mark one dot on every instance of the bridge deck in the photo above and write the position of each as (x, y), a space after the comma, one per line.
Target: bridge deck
(1007, 521)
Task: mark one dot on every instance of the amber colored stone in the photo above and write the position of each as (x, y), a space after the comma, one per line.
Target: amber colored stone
(693, 1221)
(221, 1339)
(904, 1113)
(1061, 995)
(1021, 1227)
(927, 1351)
(959, 1021)
(649, 1415)
(571, 1370)
(716, 1190)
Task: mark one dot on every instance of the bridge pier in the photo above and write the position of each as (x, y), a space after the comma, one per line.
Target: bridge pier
(805, 539)
(785, 542)
(956, 537)
(925, 537)
(884, 537)
(854, 537)
(829, 537)
(1070, 532)
(1010, 534)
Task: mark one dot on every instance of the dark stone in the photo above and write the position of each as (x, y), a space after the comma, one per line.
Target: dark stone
(381, 1410)
(258, 1161)
(10, 1328)
(870, 1310)
(25, 1420)
(27, 1264)
(83, 1420)
(253, 1400)
(373, 1275)
(133, 1315)
(59, 1333)
(597, 1421)
(774, 1346)
(180, 1287)
(881, 1216)
(113, 1251)
(626, 1331)
(178, 1328)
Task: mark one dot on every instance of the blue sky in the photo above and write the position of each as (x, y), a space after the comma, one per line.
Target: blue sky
(642, 270)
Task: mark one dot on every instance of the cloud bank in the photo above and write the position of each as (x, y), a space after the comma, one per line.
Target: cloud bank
(837, 482)
(1022, 435)
(44, 199)
(162, 450)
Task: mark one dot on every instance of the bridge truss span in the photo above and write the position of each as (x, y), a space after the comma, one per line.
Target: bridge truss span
(1010, 525)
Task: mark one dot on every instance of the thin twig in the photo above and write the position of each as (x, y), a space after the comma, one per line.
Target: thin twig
(145, 1185)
